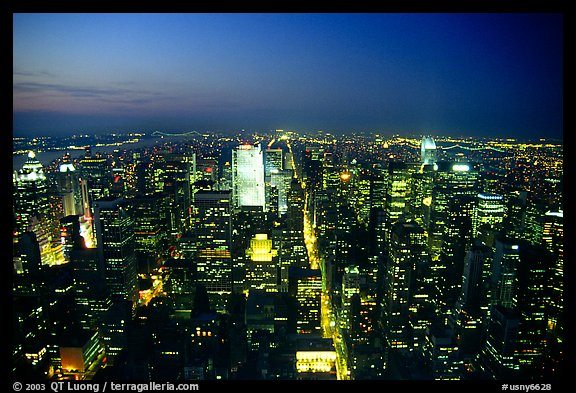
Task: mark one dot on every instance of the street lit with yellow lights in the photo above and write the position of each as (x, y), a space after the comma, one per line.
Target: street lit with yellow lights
(330, 328)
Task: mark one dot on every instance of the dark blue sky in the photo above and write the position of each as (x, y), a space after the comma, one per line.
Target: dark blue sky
(444, 74)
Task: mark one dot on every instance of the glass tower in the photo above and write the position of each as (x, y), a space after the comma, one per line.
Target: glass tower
(248, 187)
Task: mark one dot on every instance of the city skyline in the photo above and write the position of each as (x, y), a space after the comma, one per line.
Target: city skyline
(366, 259)
(456, 74)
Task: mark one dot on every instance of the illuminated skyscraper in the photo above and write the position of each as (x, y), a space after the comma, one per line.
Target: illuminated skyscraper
(33, 210)
(428, 150)
(396, 193)
(30, 193)
(69, 230)
(248, 187)
(150, 229)
(115, 238)
(94, 169)
(471, 311)
(407, 250)
(213, 229)
(306, 286)
(489, 212)
(504, 272)
(451, 179)
(272, 162)
(421, 183)
(246, 223)
(92, 299)
(173, 178)
(69, 188)
(262, 264)
(532, 298)
(515, 217)
(456, 240)
(553, 240)
(282, 180)
(350, 294)
(497, 357)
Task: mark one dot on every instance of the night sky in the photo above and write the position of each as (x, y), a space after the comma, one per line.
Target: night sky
(471, 74)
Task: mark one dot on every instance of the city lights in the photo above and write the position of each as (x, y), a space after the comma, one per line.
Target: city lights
(461, 259)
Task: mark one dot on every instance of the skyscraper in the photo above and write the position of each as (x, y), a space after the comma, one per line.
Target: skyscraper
(94, 169)
(262, 265)
(407, 250)
(69, 188)
(396, 193)
(471, 309)
(504, 272)
(115, 238)
(451, 179)
(489, 212)
(306, 286)
(92, 298)
(150, 229)
(248, 188)
(428, 150)
(30, 193)
(553, 240)
(350, 292)
(213, 230)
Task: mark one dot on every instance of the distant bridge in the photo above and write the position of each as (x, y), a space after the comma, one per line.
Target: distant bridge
(473, 148)
(162, 133)
(417, 146)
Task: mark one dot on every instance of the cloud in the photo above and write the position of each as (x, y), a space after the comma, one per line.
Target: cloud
(62, 97)
(28, 74)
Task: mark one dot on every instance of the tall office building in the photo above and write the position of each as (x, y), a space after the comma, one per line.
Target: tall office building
(421, 184)
(497, 357)
(312, 162)
(30, 193)
(396, 193)
(69, 188)
(489, 213)
(306, 286)
(92, 299)
(350, 294)
(262, 264)
(246, 223)
(97, 173)
(115, 238)
(428, 150)
(471, 310)
(532, 299)
(34, 211)
(456, 240)
(150, 229)
(407, 250)
(248, 186)
(451, 179)
(272, 161)
(69, 229)
(173, 178)
(118, 184)
(273, 165)
(515, 216)
(553, 240)
(282, 180)
(213, 231)
(504, 272)
(212, 221)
